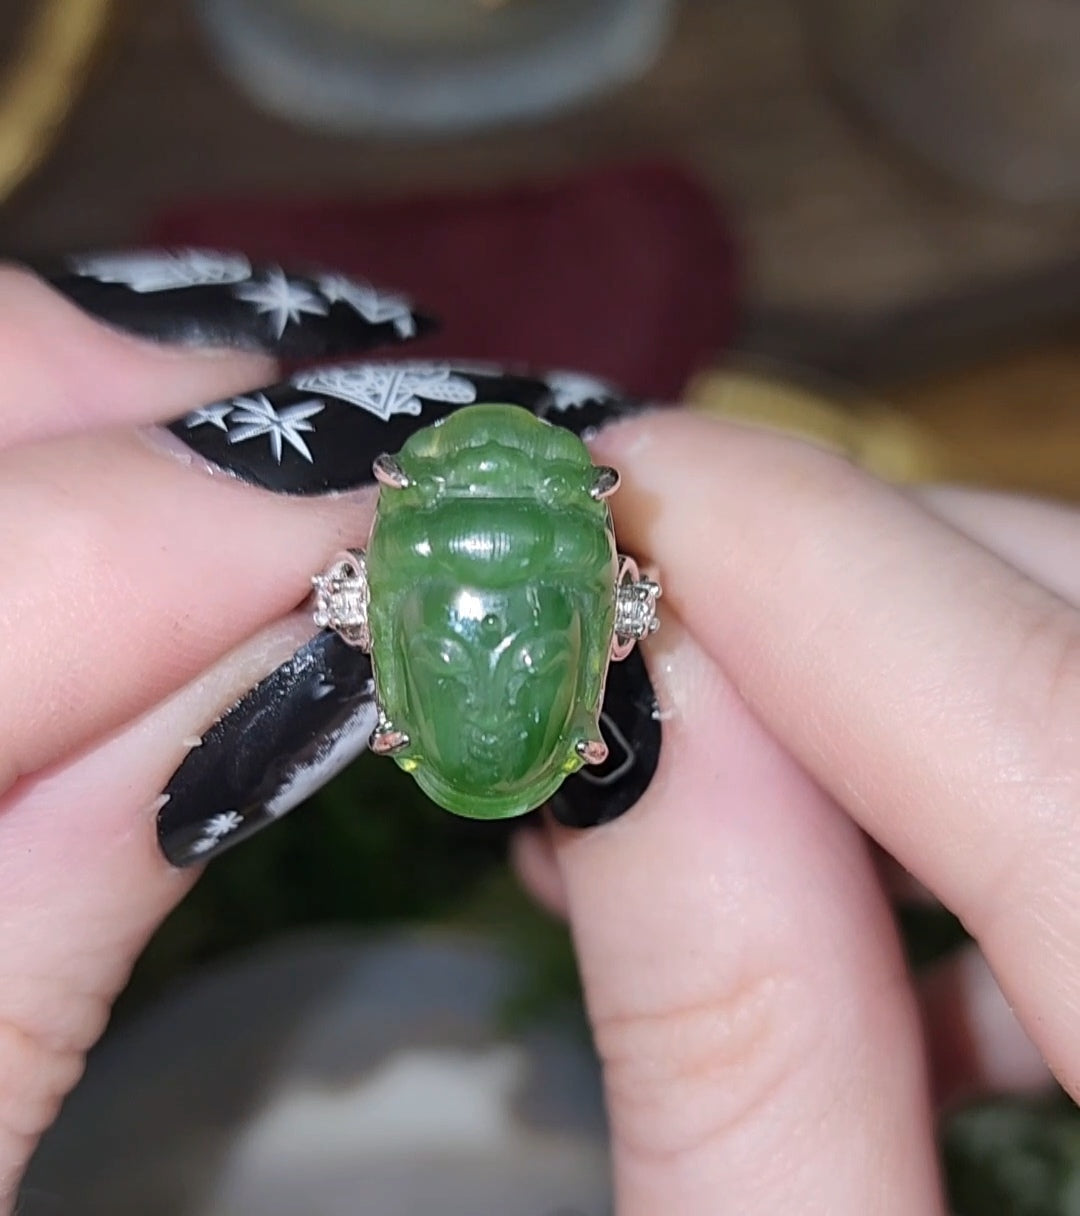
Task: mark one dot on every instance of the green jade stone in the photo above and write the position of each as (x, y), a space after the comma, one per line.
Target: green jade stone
(492, 583)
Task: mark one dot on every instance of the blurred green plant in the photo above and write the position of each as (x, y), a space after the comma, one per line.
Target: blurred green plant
(1014, 1158)
(370, 850)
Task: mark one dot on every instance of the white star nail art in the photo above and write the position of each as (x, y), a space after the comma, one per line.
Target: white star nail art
(215, 829)
(571, 390)
(255, 415)
(151, 271)
(376, 307)
(283, 299)
(210, 415)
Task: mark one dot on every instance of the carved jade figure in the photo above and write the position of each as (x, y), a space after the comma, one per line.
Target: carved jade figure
(492, 599)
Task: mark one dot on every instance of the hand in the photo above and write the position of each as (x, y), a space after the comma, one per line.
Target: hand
(159, 699)
(837, 657)
(128, 572)
(761, 1039)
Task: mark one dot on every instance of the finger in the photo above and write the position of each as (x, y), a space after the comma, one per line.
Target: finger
(127, 572)
(1033, 535)
(66, 370)
(744, 981)
(82, 887)
(976, 1044)
(927, 684)
(533, 860)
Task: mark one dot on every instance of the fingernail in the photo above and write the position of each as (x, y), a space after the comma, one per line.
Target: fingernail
(631, 725)
(320, 431)
(284, 740)
(195, 297)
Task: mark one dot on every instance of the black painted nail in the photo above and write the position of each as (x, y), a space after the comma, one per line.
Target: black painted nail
(194, 297)
(321, 430)
(632, 730)
(312, 716)
(280, 743)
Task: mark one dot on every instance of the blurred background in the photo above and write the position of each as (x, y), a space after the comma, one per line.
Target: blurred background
(854, 219)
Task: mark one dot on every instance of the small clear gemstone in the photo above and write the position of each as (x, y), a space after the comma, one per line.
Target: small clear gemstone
(635, 608)
(341, 601)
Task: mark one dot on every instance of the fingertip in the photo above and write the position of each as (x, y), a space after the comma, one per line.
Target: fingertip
(534, 862)
(66, 371)
(977, 1045)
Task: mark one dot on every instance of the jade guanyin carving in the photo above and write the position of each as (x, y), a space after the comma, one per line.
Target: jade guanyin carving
(488, 597)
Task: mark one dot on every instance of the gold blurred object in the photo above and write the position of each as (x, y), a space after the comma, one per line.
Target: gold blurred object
(875, 436)
(1011, 423)
(40, 87)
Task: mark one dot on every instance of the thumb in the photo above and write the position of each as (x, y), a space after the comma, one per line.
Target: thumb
(744, 981)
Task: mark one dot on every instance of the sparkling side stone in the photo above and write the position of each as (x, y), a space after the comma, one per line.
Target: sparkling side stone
(341, 600)
(635, 609)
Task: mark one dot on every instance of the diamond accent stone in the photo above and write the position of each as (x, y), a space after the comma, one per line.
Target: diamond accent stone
(635, 608)
(341, 599)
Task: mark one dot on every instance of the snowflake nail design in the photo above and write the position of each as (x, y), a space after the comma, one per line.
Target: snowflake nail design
(255, 415)
(214, 830)
(288, 736)
(196, 297)
(281, 299)
(210, 415)
(154, 271)
(365, 409)
(572, 390)
(384, 389)
(376, 307)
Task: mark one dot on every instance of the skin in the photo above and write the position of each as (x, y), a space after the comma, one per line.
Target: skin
(839, 663)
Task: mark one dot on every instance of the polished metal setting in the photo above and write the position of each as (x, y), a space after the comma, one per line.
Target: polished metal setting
(606, 483)
(388, 472)
(592, 751)
(341, 598)
(635, 607)
(386, 738)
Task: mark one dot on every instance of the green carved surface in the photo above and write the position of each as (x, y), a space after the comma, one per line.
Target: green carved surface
(492, 607)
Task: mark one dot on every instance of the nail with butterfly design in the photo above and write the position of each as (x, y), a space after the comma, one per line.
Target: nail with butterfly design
(195, 297)
(320, 431)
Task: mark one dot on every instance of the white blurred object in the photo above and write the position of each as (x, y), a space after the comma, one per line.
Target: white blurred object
(336, 1076)
(417, 66)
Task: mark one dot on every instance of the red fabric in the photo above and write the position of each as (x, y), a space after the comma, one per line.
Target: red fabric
(627, 273)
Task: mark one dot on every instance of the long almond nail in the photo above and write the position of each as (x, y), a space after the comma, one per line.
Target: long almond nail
(321, 430)
(293, 732)
(195, 297)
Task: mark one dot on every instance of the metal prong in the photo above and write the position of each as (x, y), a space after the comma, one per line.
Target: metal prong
(386, 739)
(605, 483)
(388, 472)
(592, 751)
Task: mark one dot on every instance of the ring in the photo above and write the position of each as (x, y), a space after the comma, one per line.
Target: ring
(491, 598)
